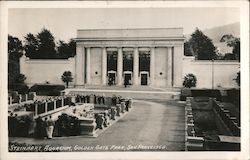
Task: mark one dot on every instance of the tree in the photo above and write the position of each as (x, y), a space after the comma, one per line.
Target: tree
(202, 46)
(15, 51)
(189, 80)
(234, 42)
(237, 79)
(229, 56)
(15, 48)
(46, 44)
(66, 50)
(20, 78)
(31, 46)
(67, 77)
(187, 49)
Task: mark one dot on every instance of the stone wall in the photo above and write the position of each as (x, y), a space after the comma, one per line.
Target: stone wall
(38, 71)
(224, 72)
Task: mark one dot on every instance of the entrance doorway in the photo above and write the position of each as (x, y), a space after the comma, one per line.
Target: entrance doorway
(127, 77)
(144, 78)
(111, 78)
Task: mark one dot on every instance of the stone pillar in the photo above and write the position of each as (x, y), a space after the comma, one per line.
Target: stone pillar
(54, 101)
(78, 61)
(36, 109)
(152, 65)
(169, 67)
(119, 66)
(88, 66)
(136, 65)
(104, 65)
(46, 106)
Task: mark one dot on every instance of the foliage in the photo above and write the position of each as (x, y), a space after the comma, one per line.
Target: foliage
(15, 51)
(229, 56)
(237, 79)
(234, 42)
(189, 81)
(43, 46)
(67, 77)
(66, 50)
(31, 46)
(187, 49)
(202, 46)
(15, 79)
(20, 78)
(46, 44)
(15, 48)
(47, 90)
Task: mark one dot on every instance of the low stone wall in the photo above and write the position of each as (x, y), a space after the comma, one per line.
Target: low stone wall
(222, 72)
(209, 126)
(192, 142)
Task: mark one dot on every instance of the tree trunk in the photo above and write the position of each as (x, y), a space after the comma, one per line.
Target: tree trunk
(67, 84)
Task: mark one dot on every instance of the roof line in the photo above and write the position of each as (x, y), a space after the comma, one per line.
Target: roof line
(129, 29)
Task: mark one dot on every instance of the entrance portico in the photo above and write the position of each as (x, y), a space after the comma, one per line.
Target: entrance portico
(157, 52)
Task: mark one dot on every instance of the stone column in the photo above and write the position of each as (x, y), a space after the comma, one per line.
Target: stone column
(88, 66)
(119, 66)
(152, 65)
(78, 61)
(169, 67)
(136, 65)
(104, 65)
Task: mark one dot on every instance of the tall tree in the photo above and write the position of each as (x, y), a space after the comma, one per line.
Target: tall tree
(66, 50)
(234, 42)
(187, 49)
(202, 46)
(15, 48)
(46, 44)
(15, 51)
(31, 46)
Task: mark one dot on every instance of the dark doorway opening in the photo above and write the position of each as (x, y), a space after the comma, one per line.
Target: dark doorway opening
(127, 79)
(111, 79)
(144, 79)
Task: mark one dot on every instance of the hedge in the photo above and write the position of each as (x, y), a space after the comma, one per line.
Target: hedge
(47, 89)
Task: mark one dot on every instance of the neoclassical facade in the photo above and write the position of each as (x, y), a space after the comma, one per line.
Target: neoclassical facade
(132, 56)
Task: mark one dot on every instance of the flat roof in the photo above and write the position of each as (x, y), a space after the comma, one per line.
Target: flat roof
(130, 33)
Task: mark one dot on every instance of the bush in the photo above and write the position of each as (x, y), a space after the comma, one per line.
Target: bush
(189, 81)
(214, 93)
(237, 79)
(47, 90)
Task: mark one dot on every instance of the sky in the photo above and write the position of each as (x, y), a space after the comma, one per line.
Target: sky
(63, 23)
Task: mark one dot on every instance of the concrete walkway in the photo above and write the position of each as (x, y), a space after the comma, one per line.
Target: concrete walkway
(151, 125)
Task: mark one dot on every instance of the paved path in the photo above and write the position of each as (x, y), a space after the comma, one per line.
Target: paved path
(149, 124)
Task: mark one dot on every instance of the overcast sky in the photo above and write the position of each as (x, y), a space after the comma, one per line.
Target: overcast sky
(63, 23)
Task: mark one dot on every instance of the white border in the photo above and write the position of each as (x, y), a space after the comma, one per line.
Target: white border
(244, 10)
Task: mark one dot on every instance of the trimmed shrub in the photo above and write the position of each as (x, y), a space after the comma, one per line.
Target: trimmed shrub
(189, 81)
(214, 93)
(47, 90)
